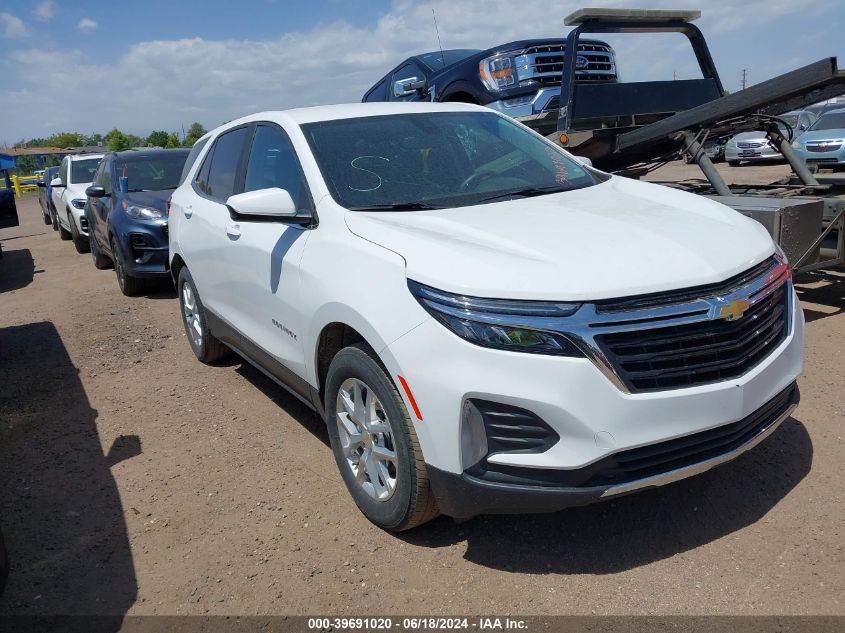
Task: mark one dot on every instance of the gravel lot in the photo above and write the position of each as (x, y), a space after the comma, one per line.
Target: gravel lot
(135, 480)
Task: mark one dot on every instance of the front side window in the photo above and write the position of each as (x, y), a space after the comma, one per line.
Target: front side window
(152, 173)
(192, 157)
(83, 170)
(63, 171)
(438, 159)
(223, 163)
(273, 163)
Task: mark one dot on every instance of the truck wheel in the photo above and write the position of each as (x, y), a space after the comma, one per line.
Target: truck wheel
(205, 346)
(79, 240)
(129, 285)
(101, 262)
(374, 442)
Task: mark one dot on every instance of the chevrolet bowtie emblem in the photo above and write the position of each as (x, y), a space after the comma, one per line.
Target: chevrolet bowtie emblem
(734, 310)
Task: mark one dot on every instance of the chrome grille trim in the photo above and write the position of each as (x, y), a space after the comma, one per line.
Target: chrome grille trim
(545, 63)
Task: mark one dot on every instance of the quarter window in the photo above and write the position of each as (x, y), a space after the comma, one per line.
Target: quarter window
(192, 157)
(273, 163)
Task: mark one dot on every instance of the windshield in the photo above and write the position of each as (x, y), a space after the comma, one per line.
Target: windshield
(152, 173)
(441, 59)
(83, 170)
(830, 121)
(438, 159)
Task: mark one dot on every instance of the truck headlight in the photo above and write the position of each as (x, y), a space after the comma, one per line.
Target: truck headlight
(498, 72)
(503, 324)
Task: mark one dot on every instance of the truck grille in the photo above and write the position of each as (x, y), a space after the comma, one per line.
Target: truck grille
(544, 64)
(824, 148)
(700, 352)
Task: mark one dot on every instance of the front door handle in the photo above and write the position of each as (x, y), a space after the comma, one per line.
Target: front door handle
(233, 230)
(188, 210)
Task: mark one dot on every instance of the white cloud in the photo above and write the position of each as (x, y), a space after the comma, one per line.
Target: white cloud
(86, 24)
(167, 83)
(45, 10)
(11, 26)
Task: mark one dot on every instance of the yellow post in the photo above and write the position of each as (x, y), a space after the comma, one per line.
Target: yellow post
(16, 185)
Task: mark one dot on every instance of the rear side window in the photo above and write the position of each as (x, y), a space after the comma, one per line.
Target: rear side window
(219, 173)
(192, 157)
(273, 163)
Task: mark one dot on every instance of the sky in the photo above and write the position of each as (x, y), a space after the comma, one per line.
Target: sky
(90, 66)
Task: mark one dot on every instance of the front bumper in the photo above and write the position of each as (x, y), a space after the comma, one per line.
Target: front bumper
(541, 101)
(465, 495)
(146, 250)
(766, 152)
(78, 217)
(836, 157)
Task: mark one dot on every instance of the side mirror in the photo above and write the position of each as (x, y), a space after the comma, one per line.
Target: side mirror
(57, 182)
(41, 184)
(409, 86)
(96, 191)
(269, 204)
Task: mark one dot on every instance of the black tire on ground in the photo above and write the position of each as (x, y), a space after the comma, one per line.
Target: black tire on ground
(129, 285)
(101, 262)
(54, 219)
(412, 502)
(79, 240)
(205, 346)
(733, 163)
(46, 216)
(65, 234)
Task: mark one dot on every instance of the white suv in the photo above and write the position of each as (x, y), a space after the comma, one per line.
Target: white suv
(75, 176)
(486, 323)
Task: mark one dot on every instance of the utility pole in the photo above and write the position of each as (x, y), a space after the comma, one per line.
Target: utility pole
(744, 78)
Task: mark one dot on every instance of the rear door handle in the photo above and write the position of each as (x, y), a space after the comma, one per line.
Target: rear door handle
(188, 210)
(233, 230)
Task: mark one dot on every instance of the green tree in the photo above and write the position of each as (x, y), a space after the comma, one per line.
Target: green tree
(26, 165)
(66, 139)
(172, 141)
(158, 138)
(194, 133)
(117, 141)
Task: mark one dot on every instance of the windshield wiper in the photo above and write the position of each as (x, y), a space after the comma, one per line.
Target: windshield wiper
(528, 192)
(397, 206)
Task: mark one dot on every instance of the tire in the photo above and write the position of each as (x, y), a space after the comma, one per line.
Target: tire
(79, 241)
(65, 234)
(101, 262)
(129, 285)
(46, 216)
(401, 498)
(205, 346)
(733, 163)
(54, 219)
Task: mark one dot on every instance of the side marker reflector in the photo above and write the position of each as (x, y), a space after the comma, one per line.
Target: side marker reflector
(408, 393)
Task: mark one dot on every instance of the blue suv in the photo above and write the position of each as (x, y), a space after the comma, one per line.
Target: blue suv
(127, 210)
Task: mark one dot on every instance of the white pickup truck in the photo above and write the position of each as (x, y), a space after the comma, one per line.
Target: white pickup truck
(75, 175)
(486, 323)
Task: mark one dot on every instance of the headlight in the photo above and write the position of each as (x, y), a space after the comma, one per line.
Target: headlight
(498, 72)
(146, 213)
(499, 323)
(796, 145)
(78, 203)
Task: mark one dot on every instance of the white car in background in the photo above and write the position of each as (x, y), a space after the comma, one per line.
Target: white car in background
(486, 323)
(75, 175)
(755, 146)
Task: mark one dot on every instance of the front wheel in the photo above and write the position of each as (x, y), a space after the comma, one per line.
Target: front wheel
(46, 216)
(374, 442)
(65, 234)
(101, 262)
(205, 346)
(129, 285)
(733, 163)
(80, 242)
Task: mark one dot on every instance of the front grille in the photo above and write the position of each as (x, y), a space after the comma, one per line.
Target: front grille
(700, 352)
(749, 145)
(544, 64)
(824, 148)
(822, 160)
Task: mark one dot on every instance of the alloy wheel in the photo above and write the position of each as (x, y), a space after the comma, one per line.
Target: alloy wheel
(366, 438)
(191, 315)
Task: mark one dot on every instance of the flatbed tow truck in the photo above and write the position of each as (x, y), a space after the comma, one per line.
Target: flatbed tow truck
(632, 128)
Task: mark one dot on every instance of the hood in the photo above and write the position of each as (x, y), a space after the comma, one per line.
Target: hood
(822, 135)
(615, 239)
(77, 190)
(152, 199)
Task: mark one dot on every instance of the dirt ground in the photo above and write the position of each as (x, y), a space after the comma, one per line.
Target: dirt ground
(134, 479)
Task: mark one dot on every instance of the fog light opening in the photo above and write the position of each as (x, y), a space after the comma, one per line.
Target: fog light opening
(473, 436)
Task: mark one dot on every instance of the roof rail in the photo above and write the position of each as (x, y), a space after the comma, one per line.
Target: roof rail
(630, 15)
